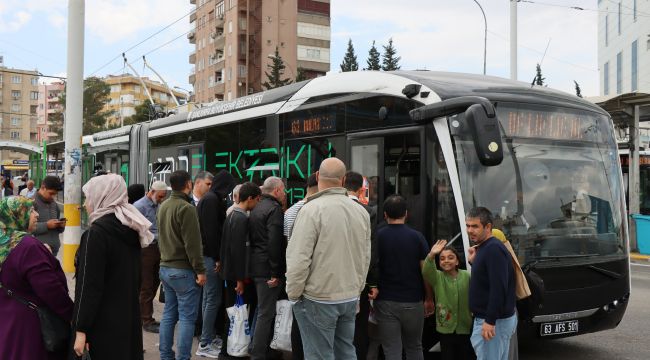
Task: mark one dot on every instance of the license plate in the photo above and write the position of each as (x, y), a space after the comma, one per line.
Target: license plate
(560, 327)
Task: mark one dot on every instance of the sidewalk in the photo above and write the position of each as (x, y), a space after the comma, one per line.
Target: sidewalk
(639, 257)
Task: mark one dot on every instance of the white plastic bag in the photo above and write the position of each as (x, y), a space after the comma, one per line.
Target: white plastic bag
(282, 328)
(239, 332)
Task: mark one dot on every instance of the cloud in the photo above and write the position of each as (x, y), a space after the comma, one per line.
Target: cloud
(114, 21)
(57, 20)
(16, 21)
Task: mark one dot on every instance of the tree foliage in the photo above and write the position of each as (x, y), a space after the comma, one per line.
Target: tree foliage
(539, 79)
(95, 97)
(55, 124)
(390, 60)
(350, 59)
(301, 75)
(275, 72)
(143, 112)
(374, 58)
(578, 92)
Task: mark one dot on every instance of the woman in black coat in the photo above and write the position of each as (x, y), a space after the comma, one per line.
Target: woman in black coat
(106, 316)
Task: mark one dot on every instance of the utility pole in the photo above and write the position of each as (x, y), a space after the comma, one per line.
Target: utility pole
(513, 39)
(73, 125)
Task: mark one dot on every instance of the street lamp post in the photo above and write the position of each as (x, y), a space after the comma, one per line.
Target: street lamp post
(484, 36)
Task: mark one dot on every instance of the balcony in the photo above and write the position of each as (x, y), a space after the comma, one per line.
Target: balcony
(219, 88)
(193, 2)
(220, 42)
(193, 57)
(219, 21)
(192, 79)
(193, 17)
(192, 37)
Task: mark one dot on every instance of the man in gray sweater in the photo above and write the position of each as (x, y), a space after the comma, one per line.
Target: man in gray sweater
(50, 223)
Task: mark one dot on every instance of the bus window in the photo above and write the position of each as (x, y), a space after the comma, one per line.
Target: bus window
(301, 158)
(392, 165)
(444, 214)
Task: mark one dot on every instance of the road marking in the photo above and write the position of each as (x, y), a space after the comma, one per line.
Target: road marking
(644, 265)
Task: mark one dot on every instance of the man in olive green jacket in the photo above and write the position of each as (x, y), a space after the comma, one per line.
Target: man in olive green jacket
(182, 270)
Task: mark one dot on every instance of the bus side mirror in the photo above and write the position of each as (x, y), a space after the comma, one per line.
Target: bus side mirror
(485, 134)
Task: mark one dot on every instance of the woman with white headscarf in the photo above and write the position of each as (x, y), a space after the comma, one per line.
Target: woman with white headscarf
(106, 316)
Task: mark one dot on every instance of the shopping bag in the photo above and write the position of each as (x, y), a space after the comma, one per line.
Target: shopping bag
(282, 328)
(239, 332)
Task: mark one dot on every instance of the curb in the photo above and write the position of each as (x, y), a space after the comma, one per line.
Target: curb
(639, 257)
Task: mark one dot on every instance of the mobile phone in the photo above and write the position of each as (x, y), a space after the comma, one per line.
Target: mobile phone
(63, 219)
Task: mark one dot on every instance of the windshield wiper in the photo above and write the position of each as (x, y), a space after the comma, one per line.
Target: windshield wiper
(557, 258)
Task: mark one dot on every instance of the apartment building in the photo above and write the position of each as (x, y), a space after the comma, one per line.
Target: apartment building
(236, 40)
(624, 46)
(18, 108)
(127, 93)
(49, 105)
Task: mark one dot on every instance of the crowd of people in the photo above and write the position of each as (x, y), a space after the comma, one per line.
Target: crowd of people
(360, 283)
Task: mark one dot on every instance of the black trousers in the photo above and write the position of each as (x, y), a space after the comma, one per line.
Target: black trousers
(361, 326)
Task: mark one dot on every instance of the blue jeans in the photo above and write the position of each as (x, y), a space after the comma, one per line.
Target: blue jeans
(497, 347)
(212, 294)
(182, 306)
(327, 330)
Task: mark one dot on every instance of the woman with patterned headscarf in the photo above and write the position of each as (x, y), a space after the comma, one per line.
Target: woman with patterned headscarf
(29, 270)
(106, 317)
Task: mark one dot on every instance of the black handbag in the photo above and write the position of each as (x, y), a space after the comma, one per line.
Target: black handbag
(55, 331)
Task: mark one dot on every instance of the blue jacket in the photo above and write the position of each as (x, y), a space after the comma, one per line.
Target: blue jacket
(492, 285)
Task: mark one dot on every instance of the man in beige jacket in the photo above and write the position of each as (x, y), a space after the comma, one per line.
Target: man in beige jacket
(327, 262)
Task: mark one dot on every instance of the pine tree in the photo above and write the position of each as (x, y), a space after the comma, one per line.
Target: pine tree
(578, 93)
(539, 80)
(373, 58)
(301, 76)
(389, 61)
(276, 69)
(350, 60)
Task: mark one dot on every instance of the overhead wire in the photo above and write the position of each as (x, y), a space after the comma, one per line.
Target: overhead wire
(579, 8)
(147, 38)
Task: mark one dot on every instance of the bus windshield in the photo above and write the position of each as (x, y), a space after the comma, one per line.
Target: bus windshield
(557, 194)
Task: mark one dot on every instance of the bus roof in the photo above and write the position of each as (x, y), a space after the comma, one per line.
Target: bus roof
(441, 85)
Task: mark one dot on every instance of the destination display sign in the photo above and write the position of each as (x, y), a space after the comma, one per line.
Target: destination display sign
(310, 123)
(549, 124)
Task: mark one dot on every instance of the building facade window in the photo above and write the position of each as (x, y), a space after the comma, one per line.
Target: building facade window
(35, 81)
(16, 79)
(15, 134)
(115, 88)
(606, 30)
(312, 53)
(229, 26)
(606, 78)
(15, 121)
(33, 95)
(619, 72)
(15, 94)
(220, 8)
(635, 67)
(15, 107)
(314, 31)
(619, 18)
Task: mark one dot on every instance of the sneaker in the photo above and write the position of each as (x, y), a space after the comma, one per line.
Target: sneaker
(217, 343)
(208, 351)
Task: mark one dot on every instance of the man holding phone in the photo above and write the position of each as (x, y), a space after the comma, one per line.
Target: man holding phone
(50, 222)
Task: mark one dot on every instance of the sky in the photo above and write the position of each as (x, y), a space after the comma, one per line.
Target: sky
(442, 35)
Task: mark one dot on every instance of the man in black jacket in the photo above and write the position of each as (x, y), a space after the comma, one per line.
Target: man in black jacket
(235, 246)
(268, 261)
(353, 183)
(212, 213)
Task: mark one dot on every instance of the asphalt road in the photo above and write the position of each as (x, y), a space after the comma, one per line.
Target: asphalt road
(629, 341)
